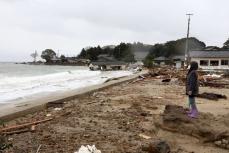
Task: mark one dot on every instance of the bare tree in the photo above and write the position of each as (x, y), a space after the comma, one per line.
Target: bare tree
(34, 56)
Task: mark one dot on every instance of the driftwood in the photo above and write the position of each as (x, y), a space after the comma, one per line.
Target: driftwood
(17, 127)
(55, 104)
(211, 96)
(38, 149)
(215, 84)
(166, 80)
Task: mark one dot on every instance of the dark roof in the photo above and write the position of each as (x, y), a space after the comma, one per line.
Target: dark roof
(105, 57)
(209, 54)
(161, 58)
(178, 57)
(109, 63)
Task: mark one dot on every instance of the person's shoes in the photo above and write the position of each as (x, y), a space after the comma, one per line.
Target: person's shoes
(189, 112)
(193, 114)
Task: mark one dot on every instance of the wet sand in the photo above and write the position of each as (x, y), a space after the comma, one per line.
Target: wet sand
(24, 106)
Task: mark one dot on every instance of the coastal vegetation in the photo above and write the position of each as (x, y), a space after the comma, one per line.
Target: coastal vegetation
(226, 45)
(48, 55)
(127, 51)
(120, 52)
(171, 48)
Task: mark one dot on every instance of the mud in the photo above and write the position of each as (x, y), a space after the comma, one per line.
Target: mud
(122, 119)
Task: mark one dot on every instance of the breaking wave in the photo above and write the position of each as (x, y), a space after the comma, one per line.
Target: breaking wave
(13, 88)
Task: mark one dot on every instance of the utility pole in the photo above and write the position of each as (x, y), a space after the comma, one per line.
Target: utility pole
(187, 55)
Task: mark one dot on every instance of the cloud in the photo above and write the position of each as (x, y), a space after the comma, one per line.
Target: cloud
(70, 25)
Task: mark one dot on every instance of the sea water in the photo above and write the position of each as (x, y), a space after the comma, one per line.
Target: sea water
(20, 81)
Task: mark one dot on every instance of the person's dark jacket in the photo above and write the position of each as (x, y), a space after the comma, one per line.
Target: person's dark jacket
(192, 83)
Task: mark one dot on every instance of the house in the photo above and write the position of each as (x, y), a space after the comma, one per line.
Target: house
(69, 61)
(178, 60)
(106, 62)
(162, 60)
(55, 60)
(76, 61)
(211, 60)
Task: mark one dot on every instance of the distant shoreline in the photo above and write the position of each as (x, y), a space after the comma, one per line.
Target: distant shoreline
(65, 64)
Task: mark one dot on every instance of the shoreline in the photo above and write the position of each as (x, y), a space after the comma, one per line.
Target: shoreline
(124, 115)
(24, 107)
(124, 118)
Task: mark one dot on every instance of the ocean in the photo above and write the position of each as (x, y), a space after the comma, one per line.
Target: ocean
(19, 81)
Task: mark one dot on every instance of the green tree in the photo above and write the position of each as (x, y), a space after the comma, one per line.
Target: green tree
(83, 54)
(48, 54)
(63, 59)
(148, 61)
(93, 52)
(226, 45)
(175, 47)
(123, 52)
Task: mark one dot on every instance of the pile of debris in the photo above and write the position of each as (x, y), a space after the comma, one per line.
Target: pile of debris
(218, 80)
(214, 80)
(175, 119)
(212, 96)
(165, 74)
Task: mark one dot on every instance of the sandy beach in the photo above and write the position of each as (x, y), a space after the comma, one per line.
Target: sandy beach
(124, 117)
(34, 103)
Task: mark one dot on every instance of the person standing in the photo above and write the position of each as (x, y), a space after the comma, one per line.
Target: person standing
(192, 89)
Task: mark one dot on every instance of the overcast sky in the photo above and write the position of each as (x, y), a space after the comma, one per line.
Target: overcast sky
(70, 25)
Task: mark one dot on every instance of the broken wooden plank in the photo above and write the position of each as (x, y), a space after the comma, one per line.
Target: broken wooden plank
(212, 96)
(166, 80)
(23, 125)
(55, 104)
(38, 149)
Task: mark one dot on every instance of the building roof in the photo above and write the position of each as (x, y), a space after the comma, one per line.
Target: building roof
(209, 54)
(178, 57)
(109, 63)
(105, 57)
(55, 58)
(161, 58)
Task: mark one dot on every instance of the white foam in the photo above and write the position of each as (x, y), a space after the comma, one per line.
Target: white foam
(13, 88)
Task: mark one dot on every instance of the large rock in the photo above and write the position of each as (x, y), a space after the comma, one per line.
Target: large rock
(174, 113)
(156, 146)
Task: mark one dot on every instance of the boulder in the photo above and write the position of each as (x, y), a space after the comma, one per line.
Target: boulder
(156, 146)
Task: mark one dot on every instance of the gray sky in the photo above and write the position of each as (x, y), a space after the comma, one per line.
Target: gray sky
(70, 25)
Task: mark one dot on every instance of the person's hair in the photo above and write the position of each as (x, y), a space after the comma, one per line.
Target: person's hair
(193, 66)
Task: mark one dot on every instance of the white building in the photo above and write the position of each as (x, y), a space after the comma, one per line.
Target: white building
(178, 61)
(211, 60)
